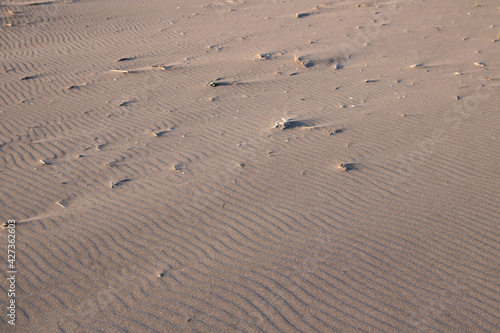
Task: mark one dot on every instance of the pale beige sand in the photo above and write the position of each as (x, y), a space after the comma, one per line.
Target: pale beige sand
(182, 210)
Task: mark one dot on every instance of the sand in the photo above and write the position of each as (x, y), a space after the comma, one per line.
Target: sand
(148, 200)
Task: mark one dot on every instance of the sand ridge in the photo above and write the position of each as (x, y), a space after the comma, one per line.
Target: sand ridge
(149, 200)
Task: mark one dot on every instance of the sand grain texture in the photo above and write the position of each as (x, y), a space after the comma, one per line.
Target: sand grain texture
(150, 201)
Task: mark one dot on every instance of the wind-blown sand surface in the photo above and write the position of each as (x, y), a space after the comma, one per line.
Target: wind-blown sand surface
(149, 201)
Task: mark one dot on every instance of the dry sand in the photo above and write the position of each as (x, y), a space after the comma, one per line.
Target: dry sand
(150, 201)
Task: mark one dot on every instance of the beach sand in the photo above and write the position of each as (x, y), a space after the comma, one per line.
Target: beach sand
(251, 166)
